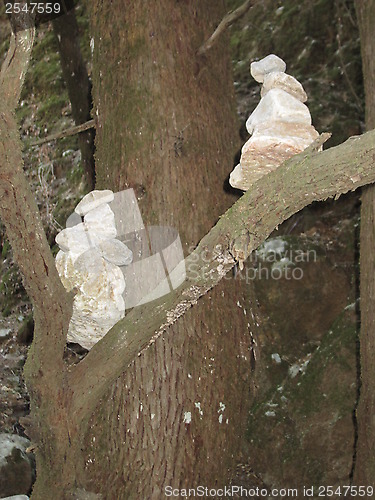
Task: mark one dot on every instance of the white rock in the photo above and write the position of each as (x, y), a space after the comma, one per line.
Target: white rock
(284, 82)
(88, 262)
(98, 277)
(297, 135)
(16, 497)
(280, 125)
(65, 267)
(85, 329)
(267, 149)
(100, 223)
(92, 200)
(74, 240)
(116, 252)
(269, 64)
(236, 179)
(278, 105)
(98, 304)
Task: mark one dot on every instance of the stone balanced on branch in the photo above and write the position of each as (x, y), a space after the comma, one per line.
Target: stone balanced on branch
(88, 262)
(280, 126)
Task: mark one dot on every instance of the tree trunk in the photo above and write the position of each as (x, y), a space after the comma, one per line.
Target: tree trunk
(79, 87)
(166, 127)
(364, 472)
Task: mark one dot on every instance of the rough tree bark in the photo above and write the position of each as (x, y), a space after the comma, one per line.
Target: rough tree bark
(364, 472)
(63, 400)
(166, 127)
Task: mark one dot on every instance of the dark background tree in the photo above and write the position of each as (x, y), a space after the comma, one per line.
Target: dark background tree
(365, 454)
(78, 84)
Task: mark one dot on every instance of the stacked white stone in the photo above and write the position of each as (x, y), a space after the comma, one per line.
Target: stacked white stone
(88, 262)
(280, 126)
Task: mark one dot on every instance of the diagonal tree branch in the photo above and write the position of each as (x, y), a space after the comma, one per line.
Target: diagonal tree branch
(224, 24)
(307, 177)
(14, 67)
(65, 133)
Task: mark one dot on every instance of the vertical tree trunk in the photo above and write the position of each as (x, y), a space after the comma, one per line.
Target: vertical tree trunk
(78, 84)
(166, 127)
(364, 472)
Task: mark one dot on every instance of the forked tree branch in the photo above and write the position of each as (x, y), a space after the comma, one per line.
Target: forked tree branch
(307, 177)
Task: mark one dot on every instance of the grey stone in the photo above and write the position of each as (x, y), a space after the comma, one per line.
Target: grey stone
(116, 252)
(269, 64)
(16, 469)
(92, 200)
(282, 81)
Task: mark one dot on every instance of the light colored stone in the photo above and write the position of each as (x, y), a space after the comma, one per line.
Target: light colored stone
(88, 263)
(100, 223)
(280, 126)
(16, 468)
(86, 328)
(95, 264)
(98, 277)
(98, 304)
(16, 497)
(284, 82)
(5, 333)
(268, 148)
(269, 64)
(116, 252)
(65, 267)
(236, 178)
(286, 131)
(98, 226)
(74, 240)
(92, 200)
(278, 105)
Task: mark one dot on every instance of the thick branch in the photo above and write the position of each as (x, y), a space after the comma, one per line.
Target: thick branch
(13, 69)
(307, 177)
(20, 215)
